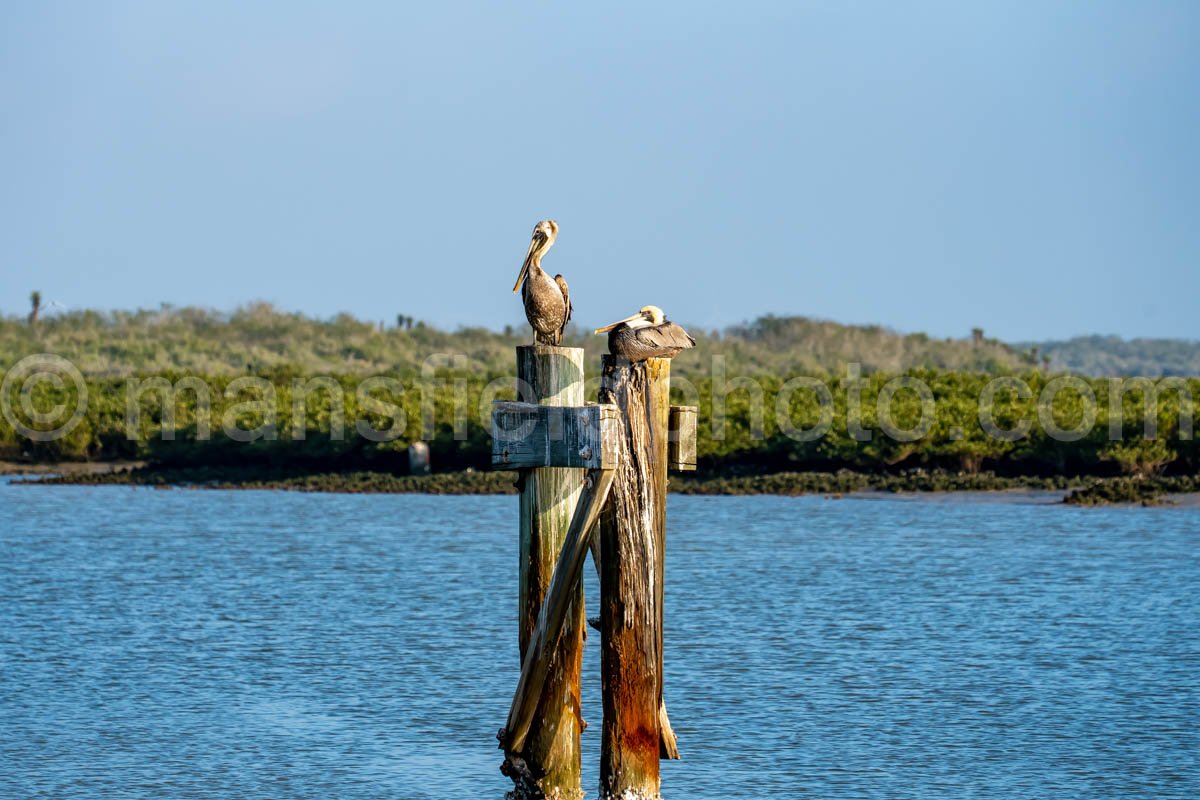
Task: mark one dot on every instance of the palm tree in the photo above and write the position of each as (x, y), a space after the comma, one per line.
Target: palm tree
(35, 300)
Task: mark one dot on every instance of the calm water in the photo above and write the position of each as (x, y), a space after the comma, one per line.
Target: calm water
(203, 644)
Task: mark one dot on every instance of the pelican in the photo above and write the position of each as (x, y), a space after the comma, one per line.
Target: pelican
(646, 334)
(547, 300)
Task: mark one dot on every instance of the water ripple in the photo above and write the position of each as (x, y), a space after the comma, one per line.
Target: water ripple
(211, 645)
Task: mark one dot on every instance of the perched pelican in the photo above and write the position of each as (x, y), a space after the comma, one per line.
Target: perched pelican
(647, 334)
(547, 300)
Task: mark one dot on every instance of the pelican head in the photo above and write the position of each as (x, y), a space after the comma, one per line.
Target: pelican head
(647, 317)
(544, 234)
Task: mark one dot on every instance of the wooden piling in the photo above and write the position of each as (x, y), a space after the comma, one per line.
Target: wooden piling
(681, 447)
(551, 376)
(632, 542)
(659, 400)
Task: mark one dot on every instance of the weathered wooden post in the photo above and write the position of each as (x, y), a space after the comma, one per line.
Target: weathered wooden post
(585, 437)
(626, 443)
(632, 540)
(681, 456)
(551, 376)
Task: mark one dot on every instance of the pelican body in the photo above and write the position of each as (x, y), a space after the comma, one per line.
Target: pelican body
(547, 300)
(646, 334)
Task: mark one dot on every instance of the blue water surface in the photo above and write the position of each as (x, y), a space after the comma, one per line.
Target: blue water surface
(203, 644)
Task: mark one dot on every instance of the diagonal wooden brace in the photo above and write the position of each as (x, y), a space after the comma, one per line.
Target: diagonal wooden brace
(567, 574)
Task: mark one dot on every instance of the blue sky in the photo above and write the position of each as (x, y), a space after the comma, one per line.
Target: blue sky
(1031, 168)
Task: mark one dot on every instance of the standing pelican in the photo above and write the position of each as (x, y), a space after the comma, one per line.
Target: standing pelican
(547, 300)
(647, 334)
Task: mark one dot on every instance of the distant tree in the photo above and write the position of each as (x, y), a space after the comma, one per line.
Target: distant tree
(1139, 457)
(408, 323)
(977, 336)
(35, 300)
(508, 331)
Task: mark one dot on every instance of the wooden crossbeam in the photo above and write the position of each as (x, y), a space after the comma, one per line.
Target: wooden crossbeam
(526, 435)
(567, 574)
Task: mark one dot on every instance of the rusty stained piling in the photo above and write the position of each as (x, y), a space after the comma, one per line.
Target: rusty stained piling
(632, 542)
(551, 376)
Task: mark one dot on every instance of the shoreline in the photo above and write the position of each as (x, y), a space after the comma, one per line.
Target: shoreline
(19, 468)
(1075, 490)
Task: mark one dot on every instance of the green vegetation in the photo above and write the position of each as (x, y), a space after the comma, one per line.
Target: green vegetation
(259, 395)
(1112, 355)
(259, 338)
(765, 424)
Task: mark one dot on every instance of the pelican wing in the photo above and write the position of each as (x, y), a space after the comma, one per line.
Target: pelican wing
(566, 293)
(671, 335)
(562, 284)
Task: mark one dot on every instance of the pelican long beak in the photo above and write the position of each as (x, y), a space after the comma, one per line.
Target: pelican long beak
(625, 321)
(533, 245)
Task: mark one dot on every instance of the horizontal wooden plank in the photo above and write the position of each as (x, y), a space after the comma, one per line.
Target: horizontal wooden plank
(526, 435)
(681, 438)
